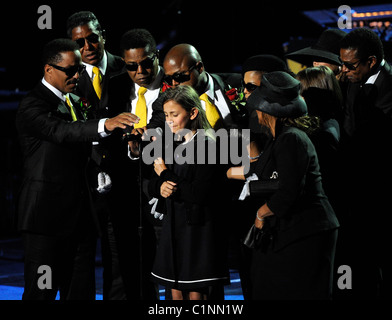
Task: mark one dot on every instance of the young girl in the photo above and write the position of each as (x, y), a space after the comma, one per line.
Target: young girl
(191, 256)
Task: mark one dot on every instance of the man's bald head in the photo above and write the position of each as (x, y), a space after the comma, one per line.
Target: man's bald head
(184, 59)
(182, 53)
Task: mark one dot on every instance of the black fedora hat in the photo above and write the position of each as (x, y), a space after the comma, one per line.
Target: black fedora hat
(278, 95)
(326, 49)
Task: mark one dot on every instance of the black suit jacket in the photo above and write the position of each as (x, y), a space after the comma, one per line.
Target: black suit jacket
(55, 151)
(369, 104)
(299, 205)
(366, 160)
(85, 87)
(99, 107)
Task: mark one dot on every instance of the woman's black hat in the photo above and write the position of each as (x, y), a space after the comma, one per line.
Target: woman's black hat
(278, 95)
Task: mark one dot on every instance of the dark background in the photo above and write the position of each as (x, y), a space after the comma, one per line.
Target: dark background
(224, 32)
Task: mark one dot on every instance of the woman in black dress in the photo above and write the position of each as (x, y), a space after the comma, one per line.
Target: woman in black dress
(295, 254)
(191, 256)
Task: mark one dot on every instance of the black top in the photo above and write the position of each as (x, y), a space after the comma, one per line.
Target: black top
(300, 205)
(192, 249)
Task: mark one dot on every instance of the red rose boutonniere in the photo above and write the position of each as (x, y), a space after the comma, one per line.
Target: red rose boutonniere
(236, 97)
(232, 94)
(85, 107)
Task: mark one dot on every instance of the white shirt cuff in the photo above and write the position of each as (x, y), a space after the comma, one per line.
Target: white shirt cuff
(101, 128)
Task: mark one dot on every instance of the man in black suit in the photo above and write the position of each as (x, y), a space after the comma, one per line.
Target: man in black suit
(366, 163)
(183, 65)
(84, 28)
(54, 214)
(142, 73)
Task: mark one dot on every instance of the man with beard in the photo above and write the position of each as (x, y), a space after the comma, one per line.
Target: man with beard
(54, 216)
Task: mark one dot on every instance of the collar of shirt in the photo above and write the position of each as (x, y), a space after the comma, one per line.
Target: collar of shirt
(372, 79)
(101, 65)
(217, 98)
(56, 91)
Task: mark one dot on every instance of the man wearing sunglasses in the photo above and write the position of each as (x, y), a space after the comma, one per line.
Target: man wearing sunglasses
(366, 163)
(183, 65)
(142, 73)
(54, 212)
(84, 28)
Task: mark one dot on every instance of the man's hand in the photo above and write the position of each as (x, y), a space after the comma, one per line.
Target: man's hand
(121, 121)
(134, 144)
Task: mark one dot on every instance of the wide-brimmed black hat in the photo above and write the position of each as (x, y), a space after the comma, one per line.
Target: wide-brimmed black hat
(326, 49)
(265, 63)
(278, 95)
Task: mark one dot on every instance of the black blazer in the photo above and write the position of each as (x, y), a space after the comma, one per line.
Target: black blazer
(85, 87)
(369, 105)
(55, 152)
(99, 107)
(299, 205)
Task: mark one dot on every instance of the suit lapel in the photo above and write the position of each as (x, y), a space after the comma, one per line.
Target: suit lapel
(63, 108)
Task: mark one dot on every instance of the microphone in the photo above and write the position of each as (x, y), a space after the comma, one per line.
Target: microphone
(129, 136)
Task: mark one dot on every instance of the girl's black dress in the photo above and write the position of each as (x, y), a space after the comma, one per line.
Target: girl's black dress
(192, 249)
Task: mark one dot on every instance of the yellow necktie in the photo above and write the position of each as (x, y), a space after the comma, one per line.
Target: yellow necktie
(141, 108)
(212, 113)
(74, 118)
(97, 80)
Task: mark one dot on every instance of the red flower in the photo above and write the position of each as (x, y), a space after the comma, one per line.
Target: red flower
(232, 94)
(85, 106)
(165, 86)
(84, 103)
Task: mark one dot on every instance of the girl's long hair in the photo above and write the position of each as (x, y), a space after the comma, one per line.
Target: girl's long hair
(188, 98)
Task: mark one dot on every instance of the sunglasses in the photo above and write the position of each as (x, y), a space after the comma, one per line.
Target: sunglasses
(147, 63)
(70, 71)
(92, 38)
(249, 86)
(351, 66)
(179, 77)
